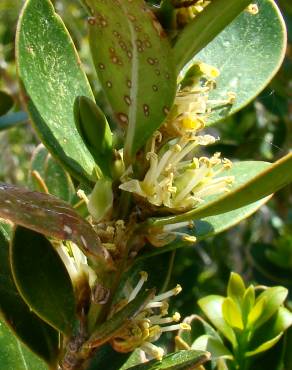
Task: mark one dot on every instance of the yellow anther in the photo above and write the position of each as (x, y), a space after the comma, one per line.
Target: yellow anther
(177, 289)
(144, 275)
(189, 238)
(252, 9)
(176, 317)
(184, 326)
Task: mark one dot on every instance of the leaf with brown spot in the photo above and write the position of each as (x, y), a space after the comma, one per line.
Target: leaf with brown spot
(50, 216)
(131, 55)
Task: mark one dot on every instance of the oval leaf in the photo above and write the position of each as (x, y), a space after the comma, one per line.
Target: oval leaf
(50, 216)
(250, 40)
(133, 60)
(212, 308)
(14, 355)
(41, 338)
(49, 69)
(12, 119)
(215, 17)
(42, 279)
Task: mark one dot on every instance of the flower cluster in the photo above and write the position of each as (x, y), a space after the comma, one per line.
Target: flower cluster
(175, 179)
(148, 324)
(185, 13)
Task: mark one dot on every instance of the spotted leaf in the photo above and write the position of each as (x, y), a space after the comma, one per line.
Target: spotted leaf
(133, 60)
(50, 216)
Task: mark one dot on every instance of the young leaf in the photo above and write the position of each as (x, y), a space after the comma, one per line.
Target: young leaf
(232, 314)
(197, 34)
(95, 131)
(264, 346)
(274, 297)
(265, 35)
(14, 355)
(212, 308)
(51, 216)
(42, 279)
(212, 345)
(133, 61)
(41, 338)
(253, 181)
(181, 360)
(6, 103)
(236, 287)
(50, 71)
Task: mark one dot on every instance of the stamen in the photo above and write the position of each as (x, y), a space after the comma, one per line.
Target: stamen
(152, 350)
(143, 279)
(182, 326)
(170, 293)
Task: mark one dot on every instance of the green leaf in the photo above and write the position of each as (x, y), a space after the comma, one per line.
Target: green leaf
(212, 345)
(95, 131)
(253, 181)
(274, 297)
(212, 308)
(106, 330)
(264, 346)
(182, 360)
(57, 181)
(50, 71)
(250, 40)
(198, 33)
(232, 313)
(256, 311)
(50, 216)
(236, 287)
(248, 302)
(14, 355)
(41, 338)
(276, 325)
(42, 279)
(6, 103)
(12, 119)
(133, 61)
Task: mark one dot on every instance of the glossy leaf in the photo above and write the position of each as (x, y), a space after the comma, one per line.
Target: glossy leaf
(238, 50)
(232, 314)
(276, 325)
(48, 215)
(42, 279)
(182, 360)
(133, 61)
(212, 345)
(12, 119)
(212, 308)
(95, 131)
(105, 331)
(264, 346)
(50, 71)
(14, 355)
(253, 181)
(6, 102)
(26, 326)
(45, 169)
(236, 287)
(274, 297)
(198, 33)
